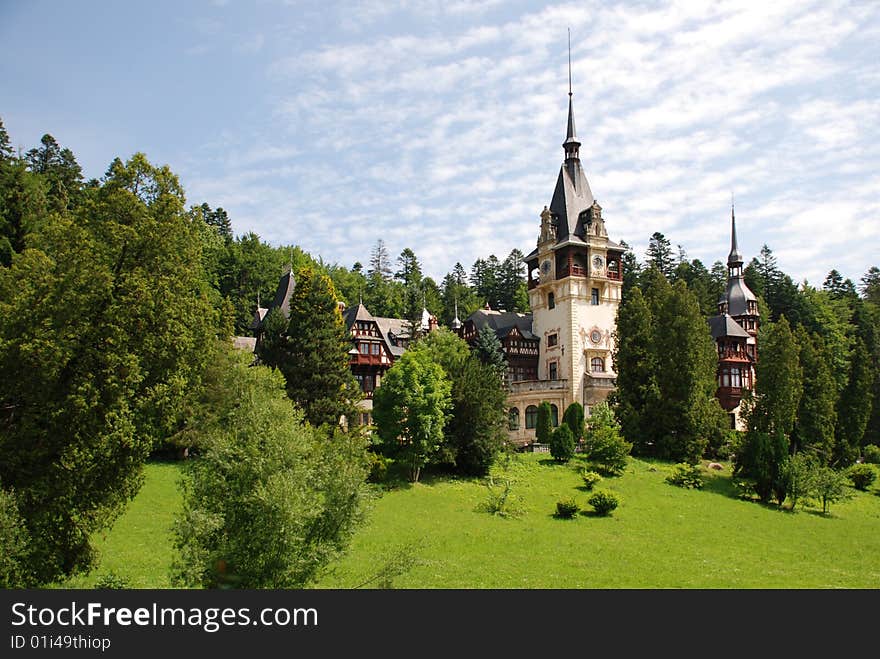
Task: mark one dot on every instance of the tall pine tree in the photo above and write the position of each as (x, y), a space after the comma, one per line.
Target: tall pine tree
(312, 351)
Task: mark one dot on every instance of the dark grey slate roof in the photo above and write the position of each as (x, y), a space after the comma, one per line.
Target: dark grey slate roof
(257, 320)
(503, 321)
(353, 314)
(282, 294)
(735, 257)
(724, 325)
(571, 197)
(392, 328)
(738, 296)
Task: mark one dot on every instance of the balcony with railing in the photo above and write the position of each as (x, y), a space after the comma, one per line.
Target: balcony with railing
(537, 385)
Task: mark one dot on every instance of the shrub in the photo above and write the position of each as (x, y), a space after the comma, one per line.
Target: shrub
(567, 508)
(861, 476)
(378, 465)
(500, 501)
(562, 444)
(872, 454)
(603, 502)
(605, 448)
(686, 475)
(590, 478)
(112, 581)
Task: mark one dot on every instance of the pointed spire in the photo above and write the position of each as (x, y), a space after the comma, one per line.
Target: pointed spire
(571, 144)
(456, 323)
(734, 259)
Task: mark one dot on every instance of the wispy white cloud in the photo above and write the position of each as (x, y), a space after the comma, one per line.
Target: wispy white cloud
(445, 134)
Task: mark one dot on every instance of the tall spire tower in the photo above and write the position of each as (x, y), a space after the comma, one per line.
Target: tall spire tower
(571, 144)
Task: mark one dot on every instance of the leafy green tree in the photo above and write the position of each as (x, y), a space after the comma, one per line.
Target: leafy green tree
(446, 349)
(410, 408)
(312, 351)
(104, 325)
(816, 416)
(574, 419)
(488, 349)
(604, 446)
(798, 474)
(544, 423)
(829, 486)
(270, 501)
(13, 542)
(854, 406)
(870, 285)
(562, 443)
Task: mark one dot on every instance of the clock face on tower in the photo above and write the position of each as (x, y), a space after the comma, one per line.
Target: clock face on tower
(597, 262)
(545, 267)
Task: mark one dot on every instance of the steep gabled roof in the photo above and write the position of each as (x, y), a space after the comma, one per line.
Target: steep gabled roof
(503, 322)
(286, 284)
(571, 197)
(724, 325)
(353, 314)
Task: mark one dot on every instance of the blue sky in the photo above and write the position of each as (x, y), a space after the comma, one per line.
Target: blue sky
(438, 126)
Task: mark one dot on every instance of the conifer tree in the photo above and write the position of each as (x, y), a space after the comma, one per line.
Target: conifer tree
(544, 423)
(488, 349)
(635, 363)
(816, 417)
(854, 406)
(574, 419)
(312, 351)
(688, 413)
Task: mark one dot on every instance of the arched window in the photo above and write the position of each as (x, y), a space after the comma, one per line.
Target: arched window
(597, 365)
(513, 418)
(531, 417)
(554, 415)
(551, 301)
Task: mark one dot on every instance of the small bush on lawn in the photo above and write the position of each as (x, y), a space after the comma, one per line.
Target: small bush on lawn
(603, 502)
(500, 501)
(686, 475)
(861, 476)
(590, 478)
(872, 454)
(112, 581)
(567, 508)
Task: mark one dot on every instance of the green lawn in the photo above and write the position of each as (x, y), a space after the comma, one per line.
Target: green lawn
(139, 547)
(661, 536)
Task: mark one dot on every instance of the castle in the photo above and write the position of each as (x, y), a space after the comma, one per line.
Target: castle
(561, 352)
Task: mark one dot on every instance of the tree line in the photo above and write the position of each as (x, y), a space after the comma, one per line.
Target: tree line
(817, 375)
(115, 343)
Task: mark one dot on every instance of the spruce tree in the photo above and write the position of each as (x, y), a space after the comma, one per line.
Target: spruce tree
(854, 406)
(312, 352)
(817, 415)
(688, 413)
(778, 380)
(488, 349)
(635, 363)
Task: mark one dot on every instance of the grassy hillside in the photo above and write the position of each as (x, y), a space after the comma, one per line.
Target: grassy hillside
(139, 547)
(661, 536)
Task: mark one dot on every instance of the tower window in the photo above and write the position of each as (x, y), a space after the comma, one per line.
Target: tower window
(554, 371)
(597, 365)
(594, 296)
(552, 340)
(551, 301)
